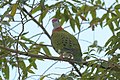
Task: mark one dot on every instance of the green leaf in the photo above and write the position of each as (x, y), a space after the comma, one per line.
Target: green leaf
(104, 16)
(105, 65)
(95, 21)
(26, 39)
(14, 8)
(111, 26)
(93, 13)
(109, 40)
(117, 12)
(5, 23)
(36, 35)
(72, 24)
(74, 9)
(42, 16)
(25, 33)
(0, 28)
(10, 41)
(86, 8)
(118, 34)
(35, 49)
(46, 50)
(110, 52)
(77, 22)
(98, 2)
(42, 77)
(66, 15)
(23, 45)
(62, 21)
(58, 14)
(116, 0)
(22, 65)
(32, 62)
(118, 28)
(34, 10)
(117, 6)
(30, 71)
(6, 71)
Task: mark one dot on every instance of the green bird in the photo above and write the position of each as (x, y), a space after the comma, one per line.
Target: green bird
(64, 43)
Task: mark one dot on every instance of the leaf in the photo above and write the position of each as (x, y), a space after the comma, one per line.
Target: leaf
(5, 13)
(25, 33)
(66, 15)
(5, 23)
(117, 12)
(30, 71)
(6, 71)
(95, 21)
(36, 35)
(98, 2)
(72, 24)
(105, 65)
(110, 52)
(42, 77)
(34, 10)
(83, 18)
(0, 28)
(42, 16)
(32, 62)
(14, 8)
(74, 9)
(77, 22)
(117, 6)
(116, 1)
(118, 34)
(109, 21)
(111, 26)
(93, 13)
(10, 41)
(109, 41)
(23, 45)
(85, 8)
(118, 28)
(58, 14)
(26, 39)
(46, 50)
(35, 49)
(22, 65)
(62, 21)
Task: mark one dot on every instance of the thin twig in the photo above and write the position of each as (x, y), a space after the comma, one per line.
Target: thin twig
(37, 22)
(76, 69)
(18, 44)
(49, 67)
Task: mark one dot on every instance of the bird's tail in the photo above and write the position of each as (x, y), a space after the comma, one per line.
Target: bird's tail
(77, 57)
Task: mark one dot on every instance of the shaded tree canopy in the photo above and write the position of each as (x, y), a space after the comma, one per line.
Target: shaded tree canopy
(25, 30)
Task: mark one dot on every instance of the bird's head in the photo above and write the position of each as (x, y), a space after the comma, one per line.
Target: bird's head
(55, 23)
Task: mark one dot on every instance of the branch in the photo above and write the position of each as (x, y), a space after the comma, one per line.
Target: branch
(36, 22)
(41, 56)
(112, 66)
(76, 69)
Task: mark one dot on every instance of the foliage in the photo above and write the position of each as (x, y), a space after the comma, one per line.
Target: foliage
(17, 43)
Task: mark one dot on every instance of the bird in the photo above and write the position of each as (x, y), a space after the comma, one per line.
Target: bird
(65, 43)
